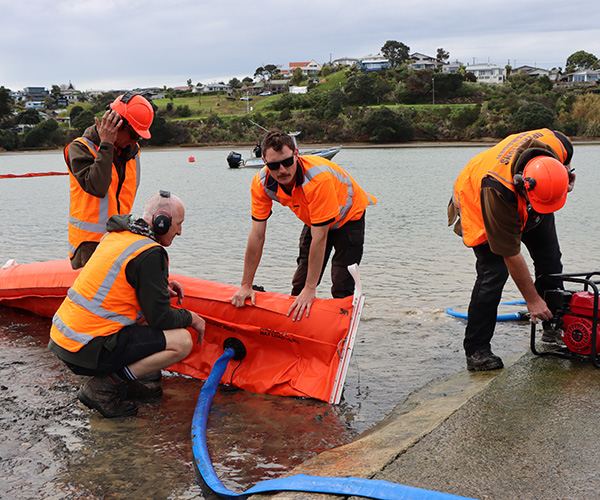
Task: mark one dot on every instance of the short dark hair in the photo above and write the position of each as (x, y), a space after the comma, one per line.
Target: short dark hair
(276, 140)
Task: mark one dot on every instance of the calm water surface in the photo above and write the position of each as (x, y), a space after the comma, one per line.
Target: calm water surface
(413, 269)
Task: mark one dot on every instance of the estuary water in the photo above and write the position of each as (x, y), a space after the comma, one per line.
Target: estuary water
(414, 267)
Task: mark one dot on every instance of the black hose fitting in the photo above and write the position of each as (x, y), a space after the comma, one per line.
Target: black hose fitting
(238, 348)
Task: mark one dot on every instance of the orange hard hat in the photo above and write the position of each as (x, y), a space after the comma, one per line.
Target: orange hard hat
(546, 181)
(138, 112)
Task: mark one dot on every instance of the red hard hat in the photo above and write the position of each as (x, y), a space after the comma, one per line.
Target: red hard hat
(547, 182)
(136, 110)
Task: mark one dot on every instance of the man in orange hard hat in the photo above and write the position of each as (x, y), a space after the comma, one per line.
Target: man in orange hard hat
(506, 196)
(104, 171)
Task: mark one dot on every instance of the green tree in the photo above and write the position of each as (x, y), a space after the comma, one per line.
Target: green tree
(297, 77)
(581, 60)
(442, 56)
(28, 117)
(533, 115)
(395, 52)
(360, 89)
(384, 125)
(83, 120)
(184, 111)
(46, 133)
(75, 110)
(5, 103)
(235, 83)
(9, 140)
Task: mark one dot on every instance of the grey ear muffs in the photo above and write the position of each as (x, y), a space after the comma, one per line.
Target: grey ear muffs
(161, 221)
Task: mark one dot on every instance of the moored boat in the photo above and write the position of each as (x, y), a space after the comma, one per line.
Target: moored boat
(235, 160)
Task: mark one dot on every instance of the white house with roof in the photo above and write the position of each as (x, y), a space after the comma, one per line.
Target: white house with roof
(487, 73)
(373, 62)
(452, 67)
(308, 68)
(421, 61)
(345, 61)
(583, 76)
(215, 87)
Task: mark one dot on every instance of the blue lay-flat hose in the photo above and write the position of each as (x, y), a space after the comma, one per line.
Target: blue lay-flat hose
(369, 488)
(515, 316)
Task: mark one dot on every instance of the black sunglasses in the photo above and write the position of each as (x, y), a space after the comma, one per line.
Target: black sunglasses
(287, 162)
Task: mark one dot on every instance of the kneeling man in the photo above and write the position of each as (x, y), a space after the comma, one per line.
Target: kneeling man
(116, 323)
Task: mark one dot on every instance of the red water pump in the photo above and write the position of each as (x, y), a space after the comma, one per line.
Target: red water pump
(576, 316)
(576, 321)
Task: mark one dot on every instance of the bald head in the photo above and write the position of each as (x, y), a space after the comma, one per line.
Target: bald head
(170, 205)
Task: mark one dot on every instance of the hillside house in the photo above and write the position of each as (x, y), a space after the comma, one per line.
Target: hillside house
(311, 68)
(345, 61)
(487, 73)
(452, 67)
(421, 61)
(373, 63)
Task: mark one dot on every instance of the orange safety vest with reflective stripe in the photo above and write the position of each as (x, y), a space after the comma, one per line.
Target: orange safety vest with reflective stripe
(495, 162)
(89, 214)
(327, 192)
(101, 301)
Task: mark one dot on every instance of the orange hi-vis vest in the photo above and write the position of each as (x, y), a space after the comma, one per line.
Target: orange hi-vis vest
(327, 192)
(495, 162)
(101, 301)
(89, 214)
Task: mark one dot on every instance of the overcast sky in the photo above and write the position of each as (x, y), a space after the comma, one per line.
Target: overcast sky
(116, 44)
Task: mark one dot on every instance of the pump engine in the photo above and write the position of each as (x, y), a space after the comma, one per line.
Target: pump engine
(574, 316)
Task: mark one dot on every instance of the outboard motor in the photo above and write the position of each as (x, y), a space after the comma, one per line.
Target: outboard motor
(234, 160)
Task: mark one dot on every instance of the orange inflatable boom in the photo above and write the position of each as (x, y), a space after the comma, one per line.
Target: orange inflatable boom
(307, 358)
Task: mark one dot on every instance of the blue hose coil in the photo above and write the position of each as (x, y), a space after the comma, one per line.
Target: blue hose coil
(516, 316)
(369, 488)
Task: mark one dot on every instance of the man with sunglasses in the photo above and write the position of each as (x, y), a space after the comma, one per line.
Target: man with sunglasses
(329, 202)
(104, 171)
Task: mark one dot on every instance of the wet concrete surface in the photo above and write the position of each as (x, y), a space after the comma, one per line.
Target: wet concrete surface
(529, 431)
(525, 432)
(53, 447)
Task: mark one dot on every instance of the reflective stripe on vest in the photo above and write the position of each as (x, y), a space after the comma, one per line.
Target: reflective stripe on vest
(344, 179)
(94, 227)
(311, 171)
(104, 318)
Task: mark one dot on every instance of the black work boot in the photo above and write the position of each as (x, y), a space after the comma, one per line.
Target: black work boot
(141, 389)
(102, 394)
(483, 360)
(552, 336)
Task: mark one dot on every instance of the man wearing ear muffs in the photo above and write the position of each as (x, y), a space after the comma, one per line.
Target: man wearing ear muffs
(104, 171)
(506, 196)
(117, 324)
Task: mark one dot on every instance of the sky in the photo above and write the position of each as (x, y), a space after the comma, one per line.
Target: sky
(116, 44)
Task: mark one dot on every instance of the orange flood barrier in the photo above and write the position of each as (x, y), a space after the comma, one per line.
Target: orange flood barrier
(283, 357)
(32, 174)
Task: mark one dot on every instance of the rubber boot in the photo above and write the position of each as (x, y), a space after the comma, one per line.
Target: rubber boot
(141, 390)
(102, 394)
